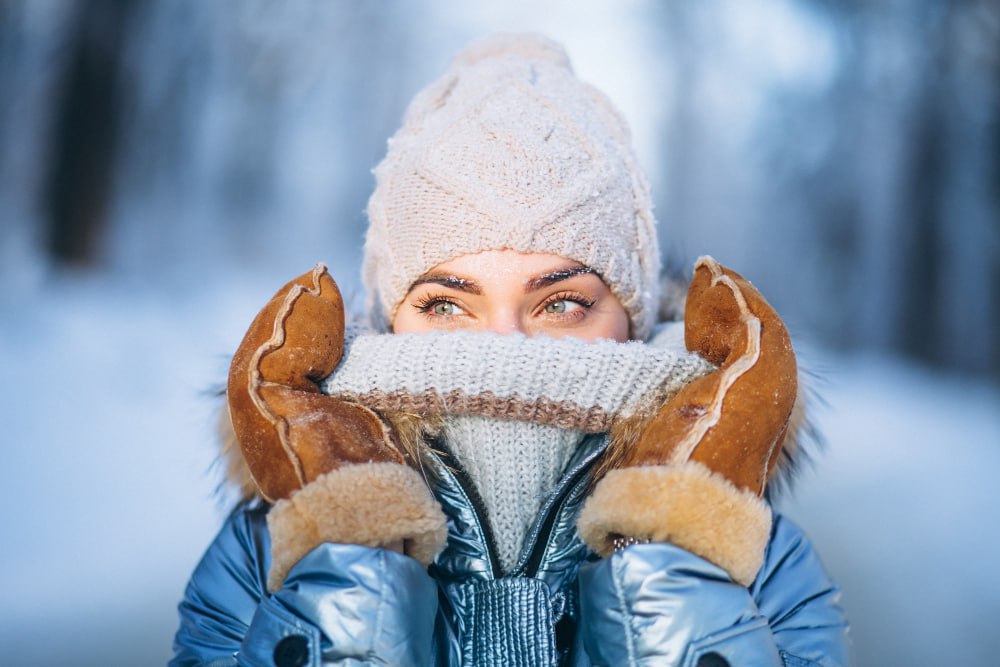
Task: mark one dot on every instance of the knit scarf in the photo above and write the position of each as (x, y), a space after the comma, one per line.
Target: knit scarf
(514, 408)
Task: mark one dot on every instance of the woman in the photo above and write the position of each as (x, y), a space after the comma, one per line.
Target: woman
(516, 467)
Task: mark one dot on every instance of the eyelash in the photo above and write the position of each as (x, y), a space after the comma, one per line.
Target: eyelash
(425, 303)
(575, 297)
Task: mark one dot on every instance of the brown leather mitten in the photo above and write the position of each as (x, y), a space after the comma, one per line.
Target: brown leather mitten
(330, 467)
(697, 473)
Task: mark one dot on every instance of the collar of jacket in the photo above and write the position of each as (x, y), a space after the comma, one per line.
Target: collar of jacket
(552, 551)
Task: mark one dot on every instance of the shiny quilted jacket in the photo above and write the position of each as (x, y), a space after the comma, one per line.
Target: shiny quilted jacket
(649, 604)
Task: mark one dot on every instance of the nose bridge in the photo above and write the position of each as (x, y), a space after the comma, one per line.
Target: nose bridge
(506, 321)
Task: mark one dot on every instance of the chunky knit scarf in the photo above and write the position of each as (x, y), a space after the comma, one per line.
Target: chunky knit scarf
(563, 382)
(513, 408)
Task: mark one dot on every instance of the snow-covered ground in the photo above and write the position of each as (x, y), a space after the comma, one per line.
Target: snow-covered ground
(902, 508)
(108, 444)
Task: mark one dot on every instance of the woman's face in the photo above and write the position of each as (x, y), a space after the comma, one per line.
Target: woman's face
(506, 291)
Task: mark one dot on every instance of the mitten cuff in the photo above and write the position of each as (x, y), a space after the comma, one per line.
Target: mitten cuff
(687, 505)
(371, 504)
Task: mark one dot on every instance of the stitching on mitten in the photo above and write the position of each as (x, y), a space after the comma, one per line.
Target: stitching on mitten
(728, 376)
(275, 342)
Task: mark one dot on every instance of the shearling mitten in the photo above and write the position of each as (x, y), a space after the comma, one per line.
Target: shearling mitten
(330, 467)
(696, 475)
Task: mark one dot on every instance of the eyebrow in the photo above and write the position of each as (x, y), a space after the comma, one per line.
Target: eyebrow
(449, 280)
(553, 277)
(469, 286)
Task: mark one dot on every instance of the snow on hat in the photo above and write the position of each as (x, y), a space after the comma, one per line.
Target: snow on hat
(509, 150)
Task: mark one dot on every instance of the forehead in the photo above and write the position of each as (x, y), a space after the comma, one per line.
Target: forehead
(503, 265)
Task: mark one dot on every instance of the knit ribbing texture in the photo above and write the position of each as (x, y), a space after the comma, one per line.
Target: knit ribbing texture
(562, 382)
(513, 465)
(514, 407)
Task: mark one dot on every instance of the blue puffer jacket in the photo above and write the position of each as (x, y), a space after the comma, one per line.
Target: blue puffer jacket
(649, 604)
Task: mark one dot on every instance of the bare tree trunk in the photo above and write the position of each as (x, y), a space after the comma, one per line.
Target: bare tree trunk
(85, 128)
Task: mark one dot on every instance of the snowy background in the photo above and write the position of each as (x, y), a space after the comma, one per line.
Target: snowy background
(165, 165)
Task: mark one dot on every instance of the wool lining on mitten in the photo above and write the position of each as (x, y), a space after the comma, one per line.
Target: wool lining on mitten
(373, 504)
(687, 505)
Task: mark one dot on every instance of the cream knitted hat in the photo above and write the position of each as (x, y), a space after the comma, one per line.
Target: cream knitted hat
(509, 150)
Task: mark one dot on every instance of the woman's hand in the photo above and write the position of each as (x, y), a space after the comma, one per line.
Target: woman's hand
(733, 421)
(697, 472)
(289, 432)
(330, 466)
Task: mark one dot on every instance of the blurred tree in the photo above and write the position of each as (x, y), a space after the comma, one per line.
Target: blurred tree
(904, 206)
(852, 145)
(949, 298)
(79, 186)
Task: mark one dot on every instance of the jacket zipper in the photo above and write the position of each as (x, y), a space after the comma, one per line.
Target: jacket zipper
(543, 535)
(526, 567)
(464, 483)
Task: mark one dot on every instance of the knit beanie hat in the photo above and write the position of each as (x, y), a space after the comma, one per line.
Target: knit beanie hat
(509, 150)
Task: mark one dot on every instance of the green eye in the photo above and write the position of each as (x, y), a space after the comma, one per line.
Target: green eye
(443, 308)
(567, 305)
